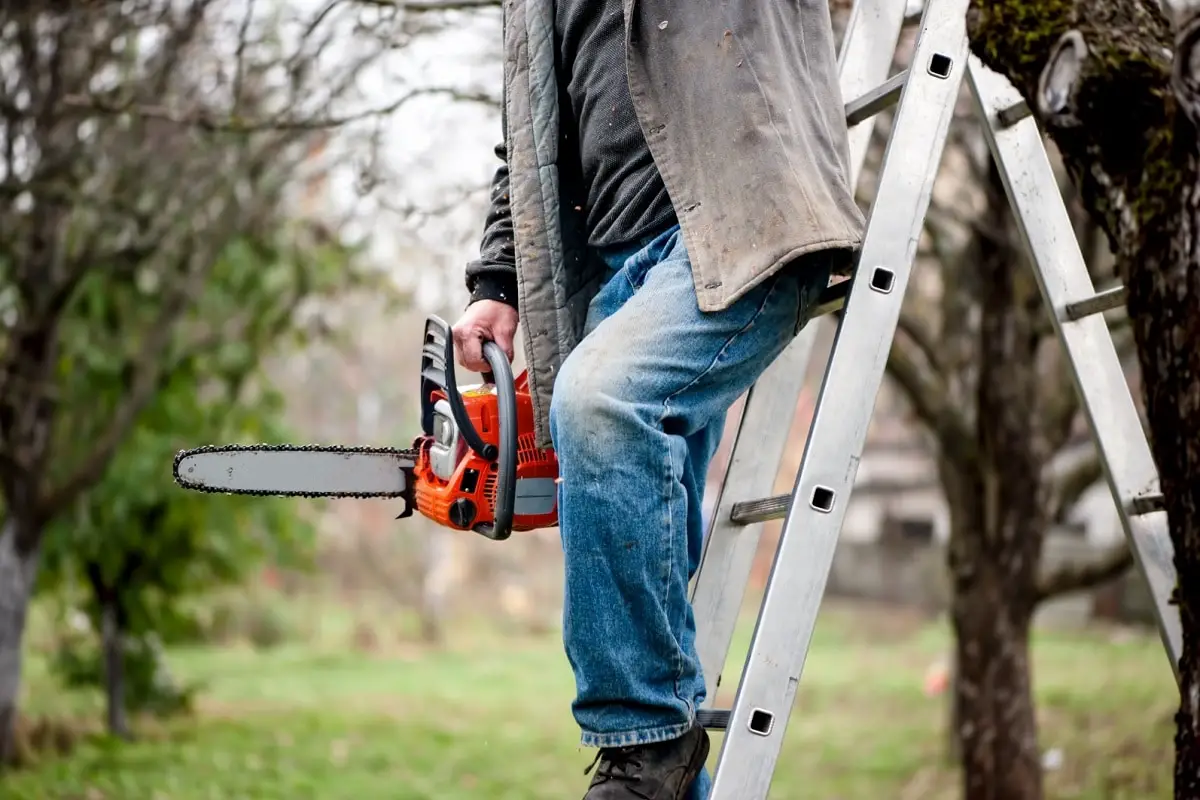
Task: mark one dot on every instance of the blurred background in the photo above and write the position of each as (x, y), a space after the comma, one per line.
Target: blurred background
(226, 221)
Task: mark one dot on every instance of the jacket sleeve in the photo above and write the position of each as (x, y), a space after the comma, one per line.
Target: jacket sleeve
(493, 276)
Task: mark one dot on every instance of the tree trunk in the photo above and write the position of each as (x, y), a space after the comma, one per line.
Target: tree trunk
(113, 627)
(999, 522)
(112, 637)
(953, 753)
(997, 728)
(992, 708)
(1162, 271)
(437, 584)
(1122, 102)
(18, 569)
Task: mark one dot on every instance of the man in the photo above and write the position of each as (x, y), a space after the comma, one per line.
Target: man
(674, 195)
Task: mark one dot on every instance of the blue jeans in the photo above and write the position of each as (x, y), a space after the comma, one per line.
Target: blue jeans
(638, 411)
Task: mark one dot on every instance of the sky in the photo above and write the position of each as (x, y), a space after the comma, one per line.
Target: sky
(433, 147)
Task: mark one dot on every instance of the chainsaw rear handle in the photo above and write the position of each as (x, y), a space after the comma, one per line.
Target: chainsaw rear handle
(506, 394)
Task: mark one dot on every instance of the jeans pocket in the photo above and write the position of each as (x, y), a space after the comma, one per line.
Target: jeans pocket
(654, 250)
(636, 271)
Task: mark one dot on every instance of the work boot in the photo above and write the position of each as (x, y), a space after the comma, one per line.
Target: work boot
(660, 771)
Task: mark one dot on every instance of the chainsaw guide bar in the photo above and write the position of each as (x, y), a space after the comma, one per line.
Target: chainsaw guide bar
(393, 477)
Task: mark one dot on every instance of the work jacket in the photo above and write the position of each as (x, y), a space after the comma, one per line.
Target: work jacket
(740, 105)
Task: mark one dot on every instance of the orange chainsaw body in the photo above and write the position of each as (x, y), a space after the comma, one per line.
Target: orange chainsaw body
(456, 487)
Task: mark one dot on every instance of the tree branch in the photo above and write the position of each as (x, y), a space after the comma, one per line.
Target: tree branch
(931, 402)
(207, 120)
(147, 366)
(435, 6)
(1059, 402)
(919, 333)
(1059, 80)
(1079, 577)
(423, 213)
(197, 257)
(1071, 485)
(1185, 82)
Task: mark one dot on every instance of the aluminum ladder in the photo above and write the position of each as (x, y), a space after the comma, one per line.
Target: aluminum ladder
(813, 512)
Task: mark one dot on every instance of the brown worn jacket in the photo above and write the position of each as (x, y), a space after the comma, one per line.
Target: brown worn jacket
(739, 102)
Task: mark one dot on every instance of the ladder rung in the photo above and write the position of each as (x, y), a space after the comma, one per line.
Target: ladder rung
(1011, 115)
(832, 298)
(875, 100)
(1096, 304)
(748, 512)
(715, 719)
(1143, 504)
(764, 509)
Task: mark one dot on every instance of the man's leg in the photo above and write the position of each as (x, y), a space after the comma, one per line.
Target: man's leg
(637, 412)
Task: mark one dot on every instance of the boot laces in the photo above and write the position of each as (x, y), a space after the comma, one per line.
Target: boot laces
(616, 763)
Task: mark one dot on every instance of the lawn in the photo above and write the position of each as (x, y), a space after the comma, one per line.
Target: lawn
(487, 716)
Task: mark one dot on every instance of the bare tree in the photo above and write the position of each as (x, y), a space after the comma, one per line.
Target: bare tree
(984, 375)
(138, 141)
(1114, 84)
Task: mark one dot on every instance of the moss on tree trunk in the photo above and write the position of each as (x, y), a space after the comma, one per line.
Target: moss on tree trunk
(1123, 117)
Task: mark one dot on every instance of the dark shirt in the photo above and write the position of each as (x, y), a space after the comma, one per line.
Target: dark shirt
(626, 197)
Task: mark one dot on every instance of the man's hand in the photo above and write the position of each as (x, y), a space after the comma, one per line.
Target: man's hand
(484, 321)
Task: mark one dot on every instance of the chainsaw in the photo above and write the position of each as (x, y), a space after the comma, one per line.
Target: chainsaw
(474, 467)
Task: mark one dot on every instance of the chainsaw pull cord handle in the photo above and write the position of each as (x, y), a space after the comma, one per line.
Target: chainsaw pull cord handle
(506, 395)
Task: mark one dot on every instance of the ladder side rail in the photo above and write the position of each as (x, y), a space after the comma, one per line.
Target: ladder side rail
(1066, 287)
(730, 548)
(865, 58)
(767, 691)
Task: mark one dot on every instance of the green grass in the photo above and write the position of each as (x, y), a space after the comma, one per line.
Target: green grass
(487, 716)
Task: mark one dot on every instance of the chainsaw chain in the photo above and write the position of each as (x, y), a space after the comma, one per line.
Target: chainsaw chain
(410, 453)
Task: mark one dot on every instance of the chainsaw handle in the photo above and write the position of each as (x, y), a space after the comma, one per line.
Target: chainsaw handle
(506, 454)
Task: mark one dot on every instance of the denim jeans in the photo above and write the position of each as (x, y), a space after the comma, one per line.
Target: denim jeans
(638, 411)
